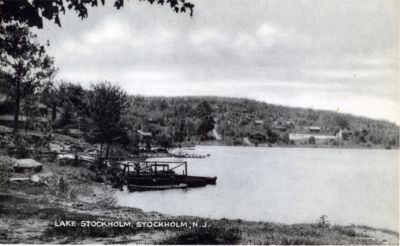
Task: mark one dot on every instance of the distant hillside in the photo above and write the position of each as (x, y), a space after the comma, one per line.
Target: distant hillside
(262, 123)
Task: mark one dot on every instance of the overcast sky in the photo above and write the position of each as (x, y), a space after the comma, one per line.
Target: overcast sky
(335, 55)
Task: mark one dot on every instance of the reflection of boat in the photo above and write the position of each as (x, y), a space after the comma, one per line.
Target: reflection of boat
(158, 175)
(134, 187)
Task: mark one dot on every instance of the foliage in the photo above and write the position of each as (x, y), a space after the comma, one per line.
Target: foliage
(206, 125)
(63, 187)
(173, 120)
(235, 118)
(105, 107)
(72, 99)
(323, 221)
(311, 140)
(32, 12)
(206, 236)
(107, 202)
(26, 66)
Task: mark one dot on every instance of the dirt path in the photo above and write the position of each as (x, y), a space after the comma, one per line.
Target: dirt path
(214, 131)
(247, 141)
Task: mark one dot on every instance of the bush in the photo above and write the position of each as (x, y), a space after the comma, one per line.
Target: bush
(62, 187)
(206, 236)
(311, 140)
(108, 202)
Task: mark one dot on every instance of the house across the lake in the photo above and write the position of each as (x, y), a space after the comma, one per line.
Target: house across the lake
(314, 129)
(280, 128)
(259, 122)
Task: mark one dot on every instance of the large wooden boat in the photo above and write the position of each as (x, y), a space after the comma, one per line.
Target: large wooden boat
(161, 175)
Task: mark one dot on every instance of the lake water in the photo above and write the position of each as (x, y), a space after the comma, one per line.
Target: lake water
(288, 185)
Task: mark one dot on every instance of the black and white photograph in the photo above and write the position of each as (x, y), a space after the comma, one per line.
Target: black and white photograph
(187, 122)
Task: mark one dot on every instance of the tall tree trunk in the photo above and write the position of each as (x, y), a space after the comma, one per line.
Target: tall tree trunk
(101, 150)
(54, 112)
(16, 106)
(107, 149)
(100, 157)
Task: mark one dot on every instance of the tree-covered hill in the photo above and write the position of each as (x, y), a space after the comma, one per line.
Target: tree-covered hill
(183, 118)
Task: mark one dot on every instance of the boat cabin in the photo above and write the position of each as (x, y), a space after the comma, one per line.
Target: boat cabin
(153, 168)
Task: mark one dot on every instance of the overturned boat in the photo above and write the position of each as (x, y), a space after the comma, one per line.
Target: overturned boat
(161, 175)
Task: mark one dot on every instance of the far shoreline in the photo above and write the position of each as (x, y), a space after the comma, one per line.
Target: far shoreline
(215, 143)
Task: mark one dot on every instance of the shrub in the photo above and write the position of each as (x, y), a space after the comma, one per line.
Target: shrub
(208, 235)
(62, 187)
(108, 202)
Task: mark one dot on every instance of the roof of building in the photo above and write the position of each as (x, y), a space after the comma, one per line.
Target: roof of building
(315, 128)
(9, 117)
(279, 127)
(144, 134)
(3, 97)
(27, 163)
(42, 105)
(259, 121)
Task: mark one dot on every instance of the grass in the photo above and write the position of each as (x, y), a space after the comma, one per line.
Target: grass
(241, 232)
(206, 236)
(221, 231)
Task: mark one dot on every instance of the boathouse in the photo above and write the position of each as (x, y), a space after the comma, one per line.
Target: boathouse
(315, 129)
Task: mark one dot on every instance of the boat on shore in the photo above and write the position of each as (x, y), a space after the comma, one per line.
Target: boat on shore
(161, 175)
(178, 153)
(187, 155)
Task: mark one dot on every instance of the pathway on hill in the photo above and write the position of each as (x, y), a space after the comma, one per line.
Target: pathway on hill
(247, 141)
(214, 131)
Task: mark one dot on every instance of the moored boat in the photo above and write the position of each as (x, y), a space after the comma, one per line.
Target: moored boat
(158, 175)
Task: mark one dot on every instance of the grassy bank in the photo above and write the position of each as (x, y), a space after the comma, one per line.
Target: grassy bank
(32, 213)
(28, 220)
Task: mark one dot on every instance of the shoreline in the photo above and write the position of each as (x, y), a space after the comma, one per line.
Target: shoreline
(217, 143)
(34, 221)
(30, 214)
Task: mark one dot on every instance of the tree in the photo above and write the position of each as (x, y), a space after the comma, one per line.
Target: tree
(206, 125)
(26, 66)
(341, 121)
(272, 136)
(32, 12)
(72, 98)
(181, 131)
(203, 109)
(106, 106)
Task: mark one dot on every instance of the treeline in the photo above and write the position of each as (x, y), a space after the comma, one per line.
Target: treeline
(174, 121)
(238, 118)
(106, 115)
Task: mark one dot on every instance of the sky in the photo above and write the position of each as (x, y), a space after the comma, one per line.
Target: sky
(340, 55)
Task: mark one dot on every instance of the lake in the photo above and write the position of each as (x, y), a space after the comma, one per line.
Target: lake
(288, 185)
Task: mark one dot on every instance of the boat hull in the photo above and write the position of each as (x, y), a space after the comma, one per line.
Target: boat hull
(139, 188)
(168, 182)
